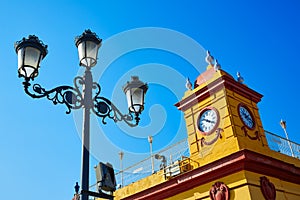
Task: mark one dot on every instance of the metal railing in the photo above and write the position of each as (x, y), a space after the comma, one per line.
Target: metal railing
(282, 145)
(180, 151)
(143, 168)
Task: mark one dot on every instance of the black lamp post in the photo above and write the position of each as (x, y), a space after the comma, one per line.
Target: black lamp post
(32, 51)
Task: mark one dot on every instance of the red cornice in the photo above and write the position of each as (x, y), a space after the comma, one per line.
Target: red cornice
(224, 81)
(242, 160)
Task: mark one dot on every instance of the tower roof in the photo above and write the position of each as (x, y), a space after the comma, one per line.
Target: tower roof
(212, 81)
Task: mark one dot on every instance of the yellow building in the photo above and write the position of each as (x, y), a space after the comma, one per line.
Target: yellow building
(229, 154)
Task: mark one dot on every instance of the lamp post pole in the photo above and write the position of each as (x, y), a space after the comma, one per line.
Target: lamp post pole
(87, 103)
(150, 140)
(283, 126)
(121, 154)
(85, 94)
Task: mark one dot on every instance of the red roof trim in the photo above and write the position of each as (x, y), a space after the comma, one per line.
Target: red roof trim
(218, 84)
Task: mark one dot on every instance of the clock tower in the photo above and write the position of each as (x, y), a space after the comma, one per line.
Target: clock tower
(221, 117)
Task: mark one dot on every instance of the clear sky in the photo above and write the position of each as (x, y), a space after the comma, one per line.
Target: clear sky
(161, 41)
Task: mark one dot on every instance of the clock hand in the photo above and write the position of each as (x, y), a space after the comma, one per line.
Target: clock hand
(248, 118)
(209, 121)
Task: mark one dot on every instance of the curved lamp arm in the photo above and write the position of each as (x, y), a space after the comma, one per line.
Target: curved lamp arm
(70, 96)
(73, 99)
(103, 108)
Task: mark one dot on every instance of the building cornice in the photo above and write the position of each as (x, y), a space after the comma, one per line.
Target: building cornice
(224, 81)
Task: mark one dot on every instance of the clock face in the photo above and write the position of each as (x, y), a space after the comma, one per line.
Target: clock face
(208, 120)
(246, 116)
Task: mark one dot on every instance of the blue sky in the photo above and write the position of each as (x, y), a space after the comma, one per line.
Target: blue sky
(40, 146)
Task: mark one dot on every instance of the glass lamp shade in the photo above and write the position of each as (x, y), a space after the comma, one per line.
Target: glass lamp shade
(30, 53)
(135, 91)
(88, 45)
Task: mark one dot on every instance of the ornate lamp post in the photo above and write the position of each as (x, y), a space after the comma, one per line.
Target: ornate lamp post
(84, 94)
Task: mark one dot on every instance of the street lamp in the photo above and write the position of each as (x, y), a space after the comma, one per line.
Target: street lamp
(150, 140)
(121, 154)
(283, 126)
(85, 94)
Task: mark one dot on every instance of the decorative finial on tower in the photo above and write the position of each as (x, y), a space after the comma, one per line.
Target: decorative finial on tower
(217, 65)
(240, 79)
(76, 195)
(209, 58)
(188, 84)
(76, 188)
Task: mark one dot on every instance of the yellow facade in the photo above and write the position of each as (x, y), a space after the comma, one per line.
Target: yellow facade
(244, 185)
(222, 149)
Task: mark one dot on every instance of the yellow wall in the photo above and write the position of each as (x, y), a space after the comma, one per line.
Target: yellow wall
(140, 185)
(243, 185)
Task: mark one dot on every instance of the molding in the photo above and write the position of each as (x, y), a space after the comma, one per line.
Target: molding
(220, 83)
(267, 188)
(218, 135)
(257, 134)
(219, 191)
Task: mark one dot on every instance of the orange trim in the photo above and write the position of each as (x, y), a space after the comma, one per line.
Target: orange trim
(217, 85)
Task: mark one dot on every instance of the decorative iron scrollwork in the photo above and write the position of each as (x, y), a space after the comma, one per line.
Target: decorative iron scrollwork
(73, 99)
(104, 108)
(70, 96)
